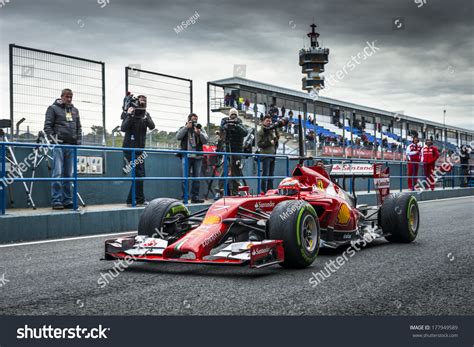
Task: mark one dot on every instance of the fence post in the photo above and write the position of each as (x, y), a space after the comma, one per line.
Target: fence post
(75, 188)
(288, 166)
(453, 174)
(3, 185)
(226, 190)
(132, 163)
(186, 178)
(259, 179)
(401, 174)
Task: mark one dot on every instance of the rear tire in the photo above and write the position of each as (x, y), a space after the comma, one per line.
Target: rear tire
(400, 218)
(156, 213)
(296, 223)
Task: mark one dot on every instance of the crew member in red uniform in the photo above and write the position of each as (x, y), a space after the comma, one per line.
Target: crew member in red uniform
(429, 156)
(413, 157)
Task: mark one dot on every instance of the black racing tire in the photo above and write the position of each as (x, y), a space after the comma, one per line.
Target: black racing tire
(157, 211)
(400, 218)
(296, 223)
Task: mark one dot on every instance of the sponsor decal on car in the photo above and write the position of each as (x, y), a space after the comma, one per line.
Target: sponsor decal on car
(269, 204)
(211, 238)
(344, 214)
(260, 251)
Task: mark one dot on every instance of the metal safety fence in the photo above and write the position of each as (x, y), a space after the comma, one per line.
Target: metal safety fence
(36, 80)
(6, 178)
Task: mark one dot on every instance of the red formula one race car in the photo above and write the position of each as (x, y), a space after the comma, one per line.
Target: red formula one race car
(287, 225)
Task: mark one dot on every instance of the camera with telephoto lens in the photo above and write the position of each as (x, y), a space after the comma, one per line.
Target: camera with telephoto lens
(278, 124)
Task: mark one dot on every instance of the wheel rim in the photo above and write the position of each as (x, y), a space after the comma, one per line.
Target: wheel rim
(309, 233)
(413, 218)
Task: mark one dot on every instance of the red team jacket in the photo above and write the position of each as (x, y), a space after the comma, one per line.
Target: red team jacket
(429, 154)
(414, 152)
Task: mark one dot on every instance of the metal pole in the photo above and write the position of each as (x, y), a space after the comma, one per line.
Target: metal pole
(255, 110)
(191, 96)
(132, 162)
(186, 178)
(104, 136)
(3, 184)
(11, 83)
(259, 180)
(226, 192)
(208, 110)
(126, 80)
(75, 189)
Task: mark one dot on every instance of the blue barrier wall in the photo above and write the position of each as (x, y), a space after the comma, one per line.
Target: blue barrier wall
(161, 165)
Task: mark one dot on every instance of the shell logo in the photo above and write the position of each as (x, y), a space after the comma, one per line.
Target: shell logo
(344, 215)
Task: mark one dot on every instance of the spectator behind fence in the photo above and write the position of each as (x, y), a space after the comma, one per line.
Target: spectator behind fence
(192, 137)
(233, 132)
(267, 142)
(429, 156)
(135, 123)
(413, 154)
(62, 125)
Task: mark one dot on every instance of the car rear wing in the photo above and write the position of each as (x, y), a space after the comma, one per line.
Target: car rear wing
(352, 171)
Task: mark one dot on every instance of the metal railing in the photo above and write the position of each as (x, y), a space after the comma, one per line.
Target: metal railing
(185, 177)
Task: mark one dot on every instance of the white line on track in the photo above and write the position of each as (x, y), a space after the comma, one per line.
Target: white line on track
(64, 240)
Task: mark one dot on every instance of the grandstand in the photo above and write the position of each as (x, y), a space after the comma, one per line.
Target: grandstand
(337, 123)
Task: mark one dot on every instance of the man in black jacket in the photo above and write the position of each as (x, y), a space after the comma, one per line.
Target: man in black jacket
(135, 124)
(234, 133)
(62, 125)
(192, 136)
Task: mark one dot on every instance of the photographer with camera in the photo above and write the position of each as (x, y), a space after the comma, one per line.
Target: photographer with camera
(192, 136)
(233, 132)
(268, 144)
(135, 122)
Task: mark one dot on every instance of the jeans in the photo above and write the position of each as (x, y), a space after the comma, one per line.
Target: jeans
(139, 172)
(194, 170)
(268, 169)
(63, 161)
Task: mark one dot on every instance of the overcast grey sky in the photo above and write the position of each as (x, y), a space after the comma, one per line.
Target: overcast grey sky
(420, 69)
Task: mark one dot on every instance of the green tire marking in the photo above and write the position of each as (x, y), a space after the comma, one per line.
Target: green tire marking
(300, 214)
(410, 203)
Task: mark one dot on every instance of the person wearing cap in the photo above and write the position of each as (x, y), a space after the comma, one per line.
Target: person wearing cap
(233, 133)
(192, 137)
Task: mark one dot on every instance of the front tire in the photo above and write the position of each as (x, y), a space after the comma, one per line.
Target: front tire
(296, 223)
(400, 218)
(161, 210)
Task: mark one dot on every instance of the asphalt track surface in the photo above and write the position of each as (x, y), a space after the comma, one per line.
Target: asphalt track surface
(431, 276)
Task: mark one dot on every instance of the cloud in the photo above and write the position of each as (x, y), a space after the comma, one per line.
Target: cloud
(421, 69)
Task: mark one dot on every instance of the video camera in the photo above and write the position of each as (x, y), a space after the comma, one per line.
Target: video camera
(132, 101)
(226, 122)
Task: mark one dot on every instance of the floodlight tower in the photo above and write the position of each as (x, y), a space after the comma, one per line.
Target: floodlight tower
(312, 61)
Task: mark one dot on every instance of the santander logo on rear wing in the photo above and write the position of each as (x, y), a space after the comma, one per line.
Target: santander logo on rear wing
(380, 174)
